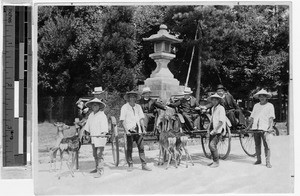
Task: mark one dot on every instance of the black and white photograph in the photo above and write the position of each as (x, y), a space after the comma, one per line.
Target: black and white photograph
(149, 98)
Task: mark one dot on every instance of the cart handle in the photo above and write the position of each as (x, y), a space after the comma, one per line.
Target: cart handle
(97, 136)
(257, 131)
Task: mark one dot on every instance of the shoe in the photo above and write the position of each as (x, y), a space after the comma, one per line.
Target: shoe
(99, 173)
(93, 171)
(146, 168)
(210, 164)
(257, 162)
(214, 165)
(269, 165)
(130, 167)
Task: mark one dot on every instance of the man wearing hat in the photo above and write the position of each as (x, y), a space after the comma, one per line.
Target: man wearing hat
(188, 106)
(262, 118)
(149, 106)
(216, 127)
(132, 119)
(97, 126)
(233, 111)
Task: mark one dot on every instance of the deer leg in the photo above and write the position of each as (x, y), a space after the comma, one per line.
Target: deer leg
(61, 162)
(168, 164)
(175, 158)
(188, 156)
(51, 159)
(68, 164)
(159, 156)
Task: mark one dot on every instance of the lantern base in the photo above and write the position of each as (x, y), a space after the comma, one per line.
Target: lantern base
(163, 88)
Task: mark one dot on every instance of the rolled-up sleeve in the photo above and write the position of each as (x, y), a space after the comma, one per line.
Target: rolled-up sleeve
(253, 113)
(272, 111)
(87, 124)
(222, 115)
(104, 124)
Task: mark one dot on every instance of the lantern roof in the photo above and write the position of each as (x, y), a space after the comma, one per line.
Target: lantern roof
(163, 35)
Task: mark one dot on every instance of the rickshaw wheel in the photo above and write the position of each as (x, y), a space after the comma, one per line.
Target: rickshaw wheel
(114, 141)
(204, 121)
(205, 147)
(125, 146)
(224, 145)
(247, 143)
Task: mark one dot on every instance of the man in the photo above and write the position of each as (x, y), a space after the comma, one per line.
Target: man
(233, 111)
(149, 106)
(188, 106)
(216, 127)
(97, 126)
(132, 119)
(262, 118)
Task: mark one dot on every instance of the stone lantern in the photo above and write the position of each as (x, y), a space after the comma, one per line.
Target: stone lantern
(162, 81)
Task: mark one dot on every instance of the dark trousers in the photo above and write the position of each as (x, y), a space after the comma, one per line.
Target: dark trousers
(138, 139)
(213, 143)
(149, 118)
(192, 120)
(233, 114)
(98, 156)
(265, 137)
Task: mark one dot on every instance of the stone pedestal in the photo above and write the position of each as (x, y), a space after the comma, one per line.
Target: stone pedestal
(162, 82)
(164, 88)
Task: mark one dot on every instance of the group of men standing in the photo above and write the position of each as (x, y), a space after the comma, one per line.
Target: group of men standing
(139, 110)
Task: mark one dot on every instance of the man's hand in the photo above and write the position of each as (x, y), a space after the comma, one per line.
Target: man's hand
(213, 132)
(207, 134)
(102, 134)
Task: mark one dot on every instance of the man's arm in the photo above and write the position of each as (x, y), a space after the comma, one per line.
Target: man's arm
(234, 103)
(214, 131)
(271, 123)
(174, 105)
(159, 105)
(141, 116)
(209, 105)
(104, 125)
(250, 123)
(142, 125)
(124, 127)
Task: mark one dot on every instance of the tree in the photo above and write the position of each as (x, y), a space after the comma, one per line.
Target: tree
(242, 46)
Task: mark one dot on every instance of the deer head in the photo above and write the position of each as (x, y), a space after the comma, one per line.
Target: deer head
(61, 126)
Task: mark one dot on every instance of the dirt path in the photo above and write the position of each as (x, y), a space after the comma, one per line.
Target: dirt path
(237, 174)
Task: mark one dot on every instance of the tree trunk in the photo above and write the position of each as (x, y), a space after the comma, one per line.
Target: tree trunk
(280, 102)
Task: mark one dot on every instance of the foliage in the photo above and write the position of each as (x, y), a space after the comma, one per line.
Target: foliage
(243, 47)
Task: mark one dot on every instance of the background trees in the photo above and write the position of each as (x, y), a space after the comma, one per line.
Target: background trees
(243, 47)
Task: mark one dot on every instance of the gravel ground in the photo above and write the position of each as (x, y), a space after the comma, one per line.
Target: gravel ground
(236, 174)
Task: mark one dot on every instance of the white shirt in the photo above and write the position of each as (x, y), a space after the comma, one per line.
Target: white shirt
(131, 116)
(218, 114)
(97, 124)
(261, 115)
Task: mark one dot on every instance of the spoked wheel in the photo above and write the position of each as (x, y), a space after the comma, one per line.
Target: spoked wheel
(224, 145)
(205, 147)
(125, 146)
(204, 121)
(247, 143)
(115, 142)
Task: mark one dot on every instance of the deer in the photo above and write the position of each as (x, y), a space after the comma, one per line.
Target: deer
(181, 143)
(61, 127)
(170, 130)
(69, 145)
(167, 138)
